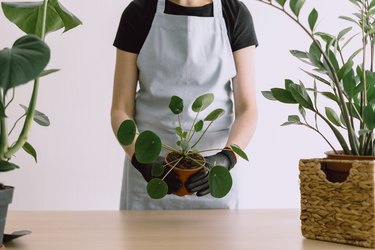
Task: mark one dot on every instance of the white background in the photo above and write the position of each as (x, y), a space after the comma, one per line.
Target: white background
(79, 161)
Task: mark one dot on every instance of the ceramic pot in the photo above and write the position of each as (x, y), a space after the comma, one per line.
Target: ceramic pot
(6, 196)
(184, 174)
(338, 171)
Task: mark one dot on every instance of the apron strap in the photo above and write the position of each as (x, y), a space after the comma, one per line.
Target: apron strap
(161, 6)
(218, 10)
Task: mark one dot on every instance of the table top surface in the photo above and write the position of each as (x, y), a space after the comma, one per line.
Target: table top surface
(163, 230)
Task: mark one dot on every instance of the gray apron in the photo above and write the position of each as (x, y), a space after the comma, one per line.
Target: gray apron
(185, 56)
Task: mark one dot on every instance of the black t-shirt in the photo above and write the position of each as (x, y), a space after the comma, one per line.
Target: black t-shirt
(137, 18)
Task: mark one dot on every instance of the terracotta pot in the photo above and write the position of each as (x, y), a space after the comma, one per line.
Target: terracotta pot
(2, 247)
(339, 171)
(184, 175)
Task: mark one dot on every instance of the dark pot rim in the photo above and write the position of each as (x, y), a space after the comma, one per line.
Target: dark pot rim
(340, 155)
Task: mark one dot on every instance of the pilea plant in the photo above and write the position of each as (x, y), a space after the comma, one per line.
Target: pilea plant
(148, 147)
(337, 76)
(24, 62)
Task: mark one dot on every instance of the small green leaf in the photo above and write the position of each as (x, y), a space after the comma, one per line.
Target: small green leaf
(202, 102)
(184, 134)
(283, 95)
(30, 150)
(176, 105)
(215, 114)
(178, 131)
(302, 111)
(343, 32)
(345, 69)
(48, 72)
(198, 126)
(294, 118)
(7, 166)
(157, 169)
(126, 132)
(300, 94)
(349, 84)
(268, 95)
(281, 2)
(157, 188)
(364, 132)
(313, 17)
(330, 95)
(147, 147)
(299, 54)
(39, 117)
(332, 116)
(185, 146)
(239, 151)
(220, 181)
(296, 6)
(23, 62)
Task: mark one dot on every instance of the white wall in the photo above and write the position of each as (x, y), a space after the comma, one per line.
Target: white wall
(79, 161)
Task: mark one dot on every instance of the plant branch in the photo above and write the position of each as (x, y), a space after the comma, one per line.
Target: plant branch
(200, 138)
(190, 136)
(11, 99)
(317, 130)
(4, 132)
(16, 123)
(178, 161)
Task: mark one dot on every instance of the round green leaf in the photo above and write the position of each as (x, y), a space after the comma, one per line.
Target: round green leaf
(176, 105)
(198, 126)
(157, 169)
(30, 150)
(147, 147)
(219, 181)
(23, 62)
(126, 132)
(157, 188)
(7, 166)
(185, 146)
(215, 114)
(239, 151)
(202, 102)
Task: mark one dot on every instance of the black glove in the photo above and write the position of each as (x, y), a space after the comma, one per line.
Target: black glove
(199, 181)
(172, 180)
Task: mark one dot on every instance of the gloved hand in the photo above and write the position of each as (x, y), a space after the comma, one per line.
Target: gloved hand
(172, 180)
(199, 181)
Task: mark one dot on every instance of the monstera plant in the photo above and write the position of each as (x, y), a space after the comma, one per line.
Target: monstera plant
(344, 74)
(26, 62)
(184, 158)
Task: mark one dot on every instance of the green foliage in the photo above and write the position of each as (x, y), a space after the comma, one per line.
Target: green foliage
(26, 61)
(23, 62)
(343, 76)
(157, 188)
(148, 146)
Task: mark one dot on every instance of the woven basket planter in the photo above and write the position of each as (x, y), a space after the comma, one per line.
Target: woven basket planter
(338, 212)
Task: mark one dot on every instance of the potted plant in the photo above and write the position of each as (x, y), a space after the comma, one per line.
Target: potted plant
(23, 62)
(183, 158)
(347, 78)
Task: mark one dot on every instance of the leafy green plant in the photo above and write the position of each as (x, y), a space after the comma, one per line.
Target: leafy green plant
(337, 76)
(148, 147)
(25, 61)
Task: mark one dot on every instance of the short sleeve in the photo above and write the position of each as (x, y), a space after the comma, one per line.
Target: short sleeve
(243, 32)
(128, 32)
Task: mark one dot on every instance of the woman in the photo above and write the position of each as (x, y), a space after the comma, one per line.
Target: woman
(185, 48)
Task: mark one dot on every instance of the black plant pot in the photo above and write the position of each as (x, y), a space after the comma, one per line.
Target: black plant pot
(6, 196)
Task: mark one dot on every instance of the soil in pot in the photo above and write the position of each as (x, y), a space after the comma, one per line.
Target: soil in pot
(339, 171)
(185, 168)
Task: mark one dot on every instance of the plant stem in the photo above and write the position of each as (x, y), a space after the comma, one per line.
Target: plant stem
(207, 150)
(364, 90)
(189, 136)
(172, 167)
(169, 148)
(16, 123)
(4, 132)
(200, 138)
(31, 109)
(316, 130)
(12, 98)
(195, 160)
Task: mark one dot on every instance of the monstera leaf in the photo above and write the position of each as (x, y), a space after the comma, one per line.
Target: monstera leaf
(23, 62)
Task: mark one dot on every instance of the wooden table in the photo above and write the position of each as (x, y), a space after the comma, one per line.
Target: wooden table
(163, 230)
